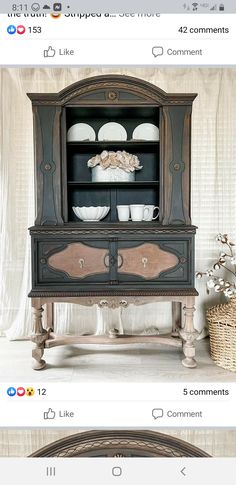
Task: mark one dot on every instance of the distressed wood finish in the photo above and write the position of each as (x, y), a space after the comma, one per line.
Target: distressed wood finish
(50, 315)
(111, 263)
(78, 260)
(186, 334)
(39, 335)
(48, 165)
(147, 260)
(170, 262)
(57, 340)
(176, 318)
(128, 89)
(120, 443)
(176, 166)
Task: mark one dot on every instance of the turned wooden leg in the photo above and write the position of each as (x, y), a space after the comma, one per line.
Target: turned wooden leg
(189, 334)
(50, 316)
(39, 336)
(176, 318)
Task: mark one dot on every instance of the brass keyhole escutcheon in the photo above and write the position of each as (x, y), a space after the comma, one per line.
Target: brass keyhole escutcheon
(81, 263)
(144, 261)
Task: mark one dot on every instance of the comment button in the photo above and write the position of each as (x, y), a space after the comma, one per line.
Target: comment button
(157, 51)
(157, 413)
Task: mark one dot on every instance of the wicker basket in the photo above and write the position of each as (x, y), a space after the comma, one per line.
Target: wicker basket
(222, 331)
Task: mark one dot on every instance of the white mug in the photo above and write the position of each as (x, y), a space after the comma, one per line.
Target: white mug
(123, 212)
(149, 211)
(137, 212)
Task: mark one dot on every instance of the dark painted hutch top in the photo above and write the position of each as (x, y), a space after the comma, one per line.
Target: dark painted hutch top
(76, 258)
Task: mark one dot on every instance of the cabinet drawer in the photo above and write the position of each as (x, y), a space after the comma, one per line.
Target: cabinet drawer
(73, 261)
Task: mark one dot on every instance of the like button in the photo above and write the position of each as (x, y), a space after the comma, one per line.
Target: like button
(50, 414)
(50, 52)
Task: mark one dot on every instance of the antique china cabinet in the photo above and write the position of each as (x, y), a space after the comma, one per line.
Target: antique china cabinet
(108, 262)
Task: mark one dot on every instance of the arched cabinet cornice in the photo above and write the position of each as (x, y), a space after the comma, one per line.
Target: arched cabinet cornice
(120, 443)
(112, 89)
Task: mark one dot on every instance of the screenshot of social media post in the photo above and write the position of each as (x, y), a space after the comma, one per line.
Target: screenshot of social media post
(118, 245)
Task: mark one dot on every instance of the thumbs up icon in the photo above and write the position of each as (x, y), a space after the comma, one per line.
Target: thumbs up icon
(50, 52)
(50, 414)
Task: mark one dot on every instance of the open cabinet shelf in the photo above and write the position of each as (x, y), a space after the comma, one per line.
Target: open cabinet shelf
(81, 191)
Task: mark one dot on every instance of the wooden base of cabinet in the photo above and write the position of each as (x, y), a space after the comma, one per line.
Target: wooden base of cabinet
(183, 333)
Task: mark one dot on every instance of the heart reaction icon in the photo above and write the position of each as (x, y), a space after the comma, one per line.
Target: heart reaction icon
(20, 29)
(20, 391)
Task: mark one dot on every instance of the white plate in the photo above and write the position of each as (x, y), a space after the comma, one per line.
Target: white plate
(81, 132)
(112, 131)
(146, 131)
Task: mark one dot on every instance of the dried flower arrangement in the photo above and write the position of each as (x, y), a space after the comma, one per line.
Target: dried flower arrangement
(123, 160)
(226, 262)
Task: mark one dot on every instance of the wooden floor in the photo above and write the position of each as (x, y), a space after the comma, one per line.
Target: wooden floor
(149, 363)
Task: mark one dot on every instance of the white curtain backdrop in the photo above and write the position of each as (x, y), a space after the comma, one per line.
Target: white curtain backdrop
(213, 188)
